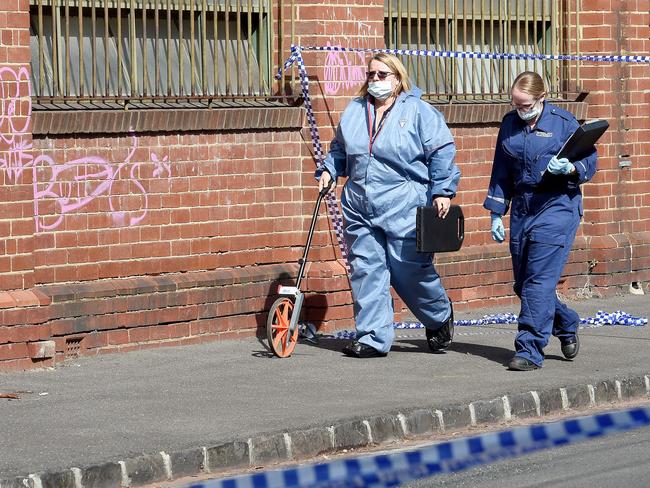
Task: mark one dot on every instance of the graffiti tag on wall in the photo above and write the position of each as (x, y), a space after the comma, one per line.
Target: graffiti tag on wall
(15, 114)
(61, 188)
(346, 70)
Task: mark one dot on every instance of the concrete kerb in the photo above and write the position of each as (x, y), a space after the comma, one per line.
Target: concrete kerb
(345, 434)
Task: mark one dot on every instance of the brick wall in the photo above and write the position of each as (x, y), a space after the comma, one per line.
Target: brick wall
(16, 207)
(180, 229)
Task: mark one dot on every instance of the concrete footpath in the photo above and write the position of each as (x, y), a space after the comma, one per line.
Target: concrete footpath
(140, 417)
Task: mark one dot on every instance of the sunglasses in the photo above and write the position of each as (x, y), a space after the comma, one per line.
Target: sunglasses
(381, 74)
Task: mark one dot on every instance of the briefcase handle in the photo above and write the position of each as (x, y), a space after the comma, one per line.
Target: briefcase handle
(461, 227)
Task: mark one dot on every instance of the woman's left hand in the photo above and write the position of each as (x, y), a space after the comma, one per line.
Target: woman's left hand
(442, 204)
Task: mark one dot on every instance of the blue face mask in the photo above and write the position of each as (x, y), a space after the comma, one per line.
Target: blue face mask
(380, 89)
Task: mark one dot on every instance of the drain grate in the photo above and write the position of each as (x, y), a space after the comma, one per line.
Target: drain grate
(73, 347)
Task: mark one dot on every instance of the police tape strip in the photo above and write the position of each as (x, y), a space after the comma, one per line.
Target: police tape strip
(457, 455)
(480, 55)
(308, 330)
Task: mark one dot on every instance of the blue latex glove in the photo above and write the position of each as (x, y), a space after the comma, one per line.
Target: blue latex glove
(560, 166)
(498, 230)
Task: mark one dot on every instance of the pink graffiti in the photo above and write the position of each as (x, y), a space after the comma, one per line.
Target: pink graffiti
(343, 70)
(69, 186)
(73, 185)
(15, 115)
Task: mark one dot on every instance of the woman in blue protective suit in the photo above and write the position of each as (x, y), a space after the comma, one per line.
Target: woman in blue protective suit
(545, 201)
(398, 154)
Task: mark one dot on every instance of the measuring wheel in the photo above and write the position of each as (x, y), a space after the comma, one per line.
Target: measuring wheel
(277, 328)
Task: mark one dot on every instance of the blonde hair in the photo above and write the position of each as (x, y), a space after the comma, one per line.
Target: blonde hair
(529, 82)
(396, 66)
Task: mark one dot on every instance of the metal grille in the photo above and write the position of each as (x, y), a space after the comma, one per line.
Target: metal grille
(122, 51)
(73, 347)
(499, 26)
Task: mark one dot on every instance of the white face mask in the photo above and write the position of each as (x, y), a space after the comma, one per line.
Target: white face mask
(380, 89)
(530, 115)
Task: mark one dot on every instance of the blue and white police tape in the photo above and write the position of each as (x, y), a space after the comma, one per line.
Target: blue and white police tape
(600, 320)
(457, 455)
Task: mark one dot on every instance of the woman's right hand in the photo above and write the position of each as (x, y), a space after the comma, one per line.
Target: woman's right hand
(324, 180)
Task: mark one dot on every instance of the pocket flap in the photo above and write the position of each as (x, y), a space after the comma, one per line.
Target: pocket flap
(548, 238)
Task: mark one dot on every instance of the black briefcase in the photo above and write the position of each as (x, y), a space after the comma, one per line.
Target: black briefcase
(434, 234)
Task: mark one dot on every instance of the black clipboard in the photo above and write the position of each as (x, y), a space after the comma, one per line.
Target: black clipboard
(434, 234)
(582, 141)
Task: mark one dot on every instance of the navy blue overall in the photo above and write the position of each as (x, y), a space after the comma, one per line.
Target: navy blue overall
(545, 211)
(406, 162)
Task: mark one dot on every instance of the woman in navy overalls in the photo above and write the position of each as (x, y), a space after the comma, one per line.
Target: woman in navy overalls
(545, 201)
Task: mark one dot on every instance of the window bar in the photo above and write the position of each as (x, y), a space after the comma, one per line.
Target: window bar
(261, 39)
(132, 41)
(454, 42)
(427, 59)
(192, 50)
(390, 25)
(493, 64)
(67, 49)
(464, 48)
(81, 49)
(270, 39)
(227, 44)
(449, 67)
(508, 37)
(419, 40)
(527, 31)
(145, 64)
(537, 48)
(520, 46)
(169, 48)
(543, 48)
(41, 50)
(181, 49)
(439, 72)
(398, 43)
(156, 49)
(408, 34)
(119, 49)
(476, 66)
(204, 47)
(577, 64)
(215, 66)
(504, 46)
(280, 39)
(93, 50)
(554, 50)
(470, 45)
(293, 37)
(107, 88)
(238, 64)
(250, 44)
(483, 66)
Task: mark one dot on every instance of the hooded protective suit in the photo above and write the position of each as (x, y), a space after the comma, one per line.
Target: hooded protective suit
(545, 212)
(406, 163)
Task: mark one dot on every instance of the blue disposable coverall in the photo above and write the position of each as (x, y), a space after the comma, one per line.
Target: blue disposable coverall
(408, 161)
(545, 213)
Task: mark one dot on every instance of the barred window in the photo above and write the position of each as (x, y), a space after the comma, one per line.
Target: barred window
(114, 52)
(496, 26)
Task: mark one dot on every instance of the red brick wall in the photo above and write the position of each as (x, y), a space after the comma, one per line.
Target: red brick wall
(182, 237)
(16, 207)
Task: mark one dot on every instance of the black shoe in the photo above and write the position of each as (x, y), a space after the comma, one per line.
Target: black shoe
(440, 339)
(358, 350)
(521, 364)
(570, 347)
